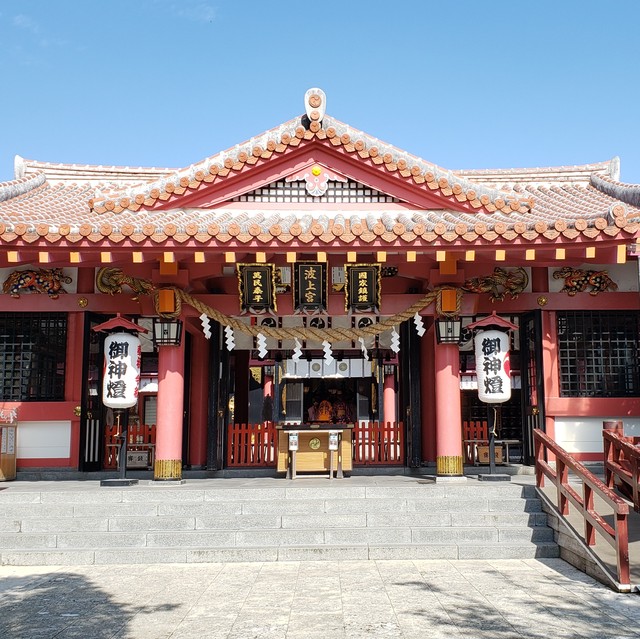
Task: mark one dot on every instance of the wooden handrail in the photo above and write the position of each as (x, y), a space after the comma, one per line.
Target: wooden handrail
(616, 536)
(622, 461)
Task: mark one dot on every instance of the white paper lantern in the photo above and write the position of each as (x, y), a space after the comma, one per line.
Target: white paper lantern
(121, 375)
(493, 368)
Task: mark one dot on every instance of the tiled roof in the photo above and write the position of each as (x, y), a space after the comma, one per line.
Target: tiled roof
(548, 202)
(627, 193)
(330, 133)
(509, 178)
(99, 176)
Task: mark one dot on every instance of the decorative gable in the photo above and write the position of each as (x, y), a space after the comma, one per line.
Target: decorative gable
(334, 192)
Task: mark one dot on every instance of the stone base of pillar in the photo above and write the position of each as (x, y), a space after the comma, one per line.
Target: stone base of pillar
(167, 469)
(449, 465)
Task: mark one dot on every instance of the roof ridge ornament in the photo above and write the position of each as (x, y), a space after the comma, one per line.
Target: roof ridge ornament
(315, 105)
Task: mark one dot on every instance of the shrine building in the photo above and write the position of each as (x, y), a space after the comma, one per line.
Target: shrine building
(314, 290)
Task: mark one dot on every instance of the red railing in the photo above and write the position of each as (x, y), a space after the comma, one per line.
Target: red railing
(378, 444)
(252, 445)
(622, 462)
(617, 536)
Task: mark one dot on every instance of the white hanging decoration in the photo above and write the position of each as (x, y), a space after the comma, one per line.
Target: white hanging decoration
(262, 345)
(228, 338)
(420, 329)
(364, 349)
(297, 351)
(206, 325)
(493, 368)
(328, 356)
(121, 375)
(395, 340)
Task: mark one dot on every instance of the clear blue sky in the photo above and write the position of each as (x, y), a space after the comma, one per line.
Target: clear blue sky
(463, 84)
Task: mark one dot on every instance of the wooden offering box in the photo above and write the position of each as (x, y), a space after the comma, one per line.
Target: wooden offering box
(313, 451)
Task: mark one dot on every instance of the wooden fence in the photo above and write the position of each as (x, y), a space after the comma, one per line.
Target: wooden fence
(140, 438)
(252, 445)
(378, 444)
(256, 445)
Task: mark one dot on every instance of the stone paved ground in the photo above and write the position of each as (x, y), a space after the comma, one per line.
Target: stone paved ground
(313, 600)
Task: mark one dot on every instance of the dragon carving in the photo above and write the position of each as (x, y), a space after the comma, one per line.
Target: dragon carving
(499, 284)
(577, 280)
(111, 280)
(45, 280)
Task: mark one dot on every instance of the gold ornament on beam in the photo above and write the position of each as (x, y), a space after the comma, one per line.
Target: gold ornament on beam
(499, 284)
(577, 280)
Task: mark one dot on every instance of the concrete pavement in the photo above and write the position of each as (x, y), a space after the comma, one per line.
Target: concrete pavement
(502, 599)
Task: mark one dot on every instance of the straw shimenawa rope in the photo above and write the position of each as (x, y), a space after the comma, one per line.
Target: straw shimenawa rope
(331, 335)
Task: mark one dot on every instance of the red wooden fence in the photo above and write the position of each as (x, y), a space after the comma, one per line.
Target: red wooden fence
(142, 437)
(378, 444)
(252, 445)
(256, 445)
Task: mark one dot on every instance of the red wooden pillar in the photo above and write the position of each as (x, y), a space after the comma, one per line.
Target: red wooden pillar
(168, 462)
(267, 390)
(198, 402)
(389, 400)
(73, 380)
(427, 390)
(448, 417)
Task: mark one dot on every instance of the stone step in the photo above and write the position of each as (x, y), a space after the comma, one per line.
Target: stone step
(328, 520)
(334, 491)
(211, 519)
(144, 537)
(279, 553)
(460, 511)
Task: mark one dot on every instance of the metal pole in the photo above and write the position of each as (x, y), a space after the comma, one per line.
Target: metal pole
(491, 427)
(123, 429)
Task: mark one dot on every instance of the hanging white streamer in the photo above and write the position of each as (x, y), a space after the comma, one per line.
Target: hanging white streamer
(206, 325)
(229, 338)
(328, 356)
(395, 340)
(262, 345)
(420, 329)
(364, 349)
(297, 351)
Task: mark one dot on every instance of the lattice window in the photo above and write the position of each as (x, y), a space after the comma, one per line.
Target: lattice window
(599, 353)
(295, 192)
(32, 356)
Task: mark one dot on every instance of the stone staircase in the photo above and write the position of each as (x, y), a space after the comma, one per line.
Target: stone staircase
(43, 523)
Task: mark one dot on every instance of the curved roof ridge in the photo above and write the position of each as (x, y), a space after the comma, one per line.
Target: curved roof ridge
(21, 185)
(95, 174)
(175, 175)
(425, 165)
(277, 140)
(576, 173)
(623, 191)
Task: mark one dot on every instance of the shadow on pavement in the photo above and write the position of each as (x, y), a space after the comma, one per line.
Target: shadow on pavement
(63, 604)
